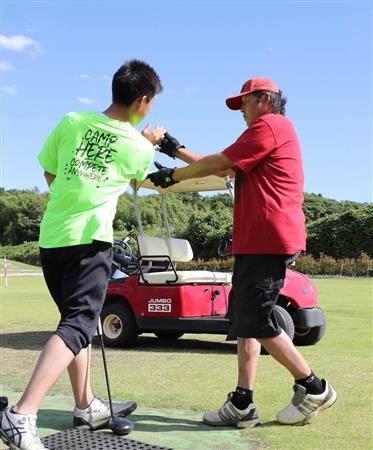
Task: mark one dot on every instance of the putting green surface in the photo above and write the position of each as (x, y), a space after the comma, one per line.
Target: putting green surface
(172, 428)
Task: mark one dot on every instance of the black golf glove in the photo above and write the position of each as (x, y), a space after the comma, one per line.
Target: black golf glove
(169, 145)
(162, 178)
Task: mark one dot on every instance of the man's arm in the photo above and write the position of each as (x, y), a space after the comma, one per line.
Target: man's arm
(190, 157)
(49, 177)
(187, 156)
(216, 164)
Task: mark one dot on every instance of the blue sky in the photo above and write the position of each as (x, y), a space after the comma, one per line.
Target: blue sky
(59, 56)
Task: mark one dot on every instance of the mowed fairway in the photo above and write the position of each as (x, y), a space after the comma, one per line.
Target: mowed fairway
(196, 372)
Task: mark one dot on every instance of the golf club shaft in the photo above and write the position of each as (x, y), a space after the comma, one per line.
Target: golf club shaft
(99, 332)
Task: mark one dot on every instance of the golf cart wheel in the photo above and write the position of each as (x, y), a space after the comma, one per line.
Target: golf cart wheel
(168, 334)
(284, 321)
(118, 325)
(309, 336)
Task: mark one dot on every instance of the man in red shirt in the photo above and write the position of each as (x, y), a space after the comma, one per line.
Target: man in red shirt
(268, 234)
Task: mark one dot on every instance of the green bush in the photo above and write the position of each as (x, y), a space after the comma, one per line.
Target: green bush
(342, 235)
(328, 265)
(217, 265)
(364, 265)
(338, 229)
(206, 229)
(27, 253)
(316, 206)
(348, 267)
(20, 216)
(307, 264)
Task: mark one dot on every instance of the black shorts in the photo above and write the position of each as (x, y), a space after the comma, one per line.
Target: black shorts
(256, 283)
(77, 279)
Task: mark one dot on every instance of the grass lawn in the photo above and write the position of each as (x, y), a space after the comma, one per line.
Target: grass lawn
(196, 372)
(15, 267)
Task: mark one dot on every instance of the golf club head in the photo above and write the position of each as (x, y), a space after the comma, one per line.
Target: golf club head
(3, 403)
(120, 426)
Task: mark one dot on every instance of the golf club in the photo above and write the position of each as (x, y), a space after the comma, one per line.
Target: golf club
(118, 425)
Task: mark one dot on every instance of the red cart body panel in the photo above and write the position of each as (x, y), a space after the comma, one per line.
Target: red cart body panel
(299, 289)
(196, 300)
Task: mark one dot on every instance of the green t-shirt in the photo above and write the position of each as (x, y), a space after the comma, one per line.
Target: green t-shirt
(94, 158)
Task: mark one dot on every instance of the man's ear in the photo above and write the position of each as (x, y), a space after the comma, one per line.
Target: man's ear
(266, 100)
(142, 101)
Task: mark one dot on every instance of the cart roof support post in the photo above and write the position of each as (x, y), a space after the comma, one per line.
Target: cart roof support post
(137, 209)
(164, 214)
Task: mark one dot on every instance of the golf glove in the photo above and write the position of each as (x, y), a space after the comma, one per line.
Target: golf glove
(169, 145)
(162, 178)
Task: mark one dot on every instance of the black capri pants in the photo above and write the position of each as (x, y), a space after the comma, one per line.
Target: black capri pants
(256, 284)
(77, 279)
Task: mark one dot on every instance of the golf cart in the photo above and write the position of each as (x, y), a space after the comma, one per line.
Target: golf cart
(148, 294)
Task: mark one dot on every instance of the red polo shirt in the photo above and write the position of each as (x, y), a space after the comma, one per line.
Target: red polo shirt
(268, 216)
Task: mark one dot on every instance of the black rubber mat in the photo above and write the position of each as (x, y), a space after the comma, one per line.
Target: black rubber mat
(83, 439)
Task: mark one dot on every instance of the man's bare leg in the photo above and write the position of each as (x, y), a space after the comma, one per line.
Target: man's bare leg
(80, 378)
(248, 352)
(54, 359)
(239, 409)
(284, 351)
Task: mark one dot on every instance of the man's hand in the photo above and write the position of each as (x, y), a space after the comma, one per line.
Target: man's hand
(155, 136)
(169, 145)
(162, 178)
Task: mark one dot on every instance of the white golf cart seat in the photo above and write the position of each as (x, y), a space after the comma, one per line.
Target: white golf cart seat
(180, 249)
(177, 250)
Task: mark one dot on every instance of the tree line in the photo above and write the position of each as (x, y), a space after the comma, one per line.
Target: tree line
(337, 229)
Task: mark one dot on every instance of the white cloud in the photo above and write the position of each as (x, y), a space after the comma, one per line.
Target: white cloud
(6, 66)
(86, 100)
(20, 43)
(9, 89)
(86, 76)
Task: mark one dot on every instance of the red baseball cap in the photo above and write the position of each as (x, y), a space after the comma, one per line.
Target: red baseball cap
(255, 84)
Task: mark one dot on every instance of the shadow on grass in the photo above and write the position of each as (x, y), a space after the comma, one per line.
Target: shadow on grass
(27, 340)
(157, 423)
(192, 345)
(35, 340)
(55, 418)
(171, 424)
(62, 420)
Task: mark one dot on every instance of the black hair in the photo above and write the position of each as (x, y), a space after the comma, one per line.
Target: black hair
(277, 100)
(135, 79)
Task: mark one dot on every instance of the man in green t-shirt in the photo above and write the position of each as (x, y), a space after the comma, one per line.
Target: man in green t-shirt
(89, 159)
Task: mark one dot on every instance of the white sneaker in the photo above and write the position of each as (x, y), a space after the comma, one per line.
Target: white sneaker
(18, 431)
(97, 415)
(305, 406)
(228, 414)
